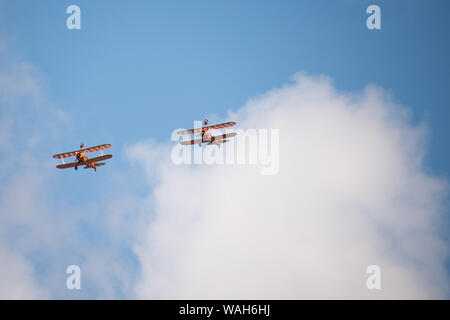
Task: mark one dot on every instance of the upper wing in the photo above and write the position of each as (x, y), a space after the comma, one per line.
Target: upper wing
(65, 155)
(198, 130)
(97, 148)
(73, 153)
(186, 143)
(225, 135)
(222, 125)
(190, 131)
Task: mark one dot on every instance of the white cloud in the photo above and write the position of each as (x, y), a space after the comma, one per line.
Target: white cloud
(41, 230)
(22, 204)
(16, 277)
(351, 192)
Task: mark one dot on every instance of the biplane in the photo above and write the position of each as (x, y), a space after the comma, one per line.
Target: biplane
(82, 159)
(206, 136)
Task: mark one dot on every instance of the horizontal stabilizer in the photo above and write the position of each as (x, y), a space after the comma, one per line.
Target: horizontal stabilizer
(97, 164)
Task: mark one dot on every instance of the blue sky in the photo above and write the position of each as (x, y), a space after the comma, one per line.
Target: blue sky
(187, 61)
(139, 69)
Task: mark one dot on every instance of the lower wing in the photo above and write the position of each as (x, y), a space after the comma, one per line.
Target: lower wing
(220, 138)
(225, 135)
(89, 161)
(187, 143)
(101, 158)
(67, 165)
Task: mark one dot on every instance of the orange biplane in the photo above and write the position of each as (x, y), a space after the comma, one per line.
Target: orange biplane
(207, 137)
(82, 159)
